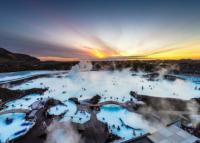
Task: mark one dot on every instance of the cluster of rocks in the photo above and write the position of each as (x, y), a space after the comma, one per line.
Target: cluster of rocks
(95, 99)
(52, 102)
(75, 100)
(43, 65)
(112, 138)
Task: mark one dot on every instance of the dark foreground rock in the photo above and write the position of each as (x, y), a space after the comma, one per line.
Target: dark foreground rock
(151, 75)
(75, 100)
(95, 99)
(112, 137)
(193, 129)
(52, 102)
(196, 99)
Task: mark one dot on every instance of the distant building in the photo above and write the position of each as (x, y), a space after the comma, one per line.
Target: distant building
(190, 69)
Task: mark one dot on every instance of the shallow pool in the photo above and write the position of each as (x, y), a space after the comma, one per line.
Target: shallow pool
(111, 114)
(8, 130)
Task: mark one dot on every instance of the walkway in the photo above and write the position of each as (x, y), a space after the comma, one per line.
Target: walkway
(32, 135)
(111, 102)
(15, 111)
(95, 130)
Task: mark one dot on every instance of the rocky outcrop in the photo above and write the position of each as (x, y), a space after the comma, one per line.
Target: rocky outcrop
(52, 102)
(95, 99)
(75, 100)
(112, 138)
(7, 94)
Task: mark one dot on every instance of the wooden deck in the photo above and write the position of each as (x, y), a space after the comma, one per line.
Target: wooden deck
(95, 130)
(32, 135)
(15, 111)
(60, 125)
(92, 131)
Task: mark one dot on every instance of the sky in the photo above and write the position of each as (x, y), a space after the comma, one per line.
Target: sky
(68, 30)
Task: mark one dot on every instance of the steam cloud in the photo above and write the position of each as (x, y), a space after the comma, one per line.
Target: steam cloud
(82, 66)
(64, 134)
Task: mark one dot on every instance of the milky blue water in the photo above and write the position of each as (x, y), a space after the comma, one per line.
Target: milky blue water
(8, 130)
(84, 85)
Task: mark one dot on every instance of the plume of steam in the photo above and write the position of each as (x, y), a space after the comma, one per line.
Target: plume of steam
(65, 133)
(162, 72)
(166, 70)
(82, 66)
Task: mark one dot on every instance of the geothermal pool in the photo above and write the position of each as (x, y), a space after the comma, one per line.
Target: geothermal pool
(111, 114)
(22, 103)
(9, 130)
(106, 84)
(115, 84)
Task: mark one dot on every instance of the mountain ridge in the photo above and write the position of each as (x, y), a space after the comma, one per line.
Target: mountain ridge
(7, 56)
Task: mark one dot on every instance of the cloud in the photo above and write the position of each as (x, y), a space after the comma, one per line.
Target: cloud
(57, 59)
(88, 48)
(102, 47)
(163, 51)
(21, 44)
(107, 48)
(65, 133)
(110, 57)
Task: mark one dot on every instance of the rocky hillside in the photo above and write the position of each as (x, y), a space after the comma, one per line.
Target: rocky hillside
(6, 56)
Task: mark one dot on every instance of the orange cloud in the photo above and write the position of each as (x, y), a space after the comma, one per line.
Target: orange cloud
(57, 59)
(95, 52)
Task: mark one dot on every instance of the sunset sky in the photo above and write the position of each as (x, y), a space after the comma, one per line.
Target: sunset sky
(101, 29)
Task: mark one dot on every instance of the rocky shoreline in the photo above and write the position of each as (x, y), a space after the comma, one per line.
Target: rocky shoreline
(169, 104)
(7, 95)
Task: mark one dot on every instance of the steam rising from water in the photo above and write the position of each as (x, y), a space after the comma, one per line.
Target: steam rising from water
(116, 83)
(64, 134)
(81, 66)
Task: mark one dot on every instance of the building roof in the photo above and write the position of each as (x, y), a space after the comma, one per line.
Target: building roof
(33, 113)
(172, 134)
(139, 139)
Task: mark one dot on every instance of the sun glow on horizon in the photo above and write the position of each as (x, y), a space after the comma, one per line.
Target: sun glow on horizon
(98, 54)
(57, 59)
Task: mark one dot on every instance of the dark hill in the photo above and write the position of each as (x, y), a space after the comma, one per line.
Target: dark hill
(183, 60)
(6, 56)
